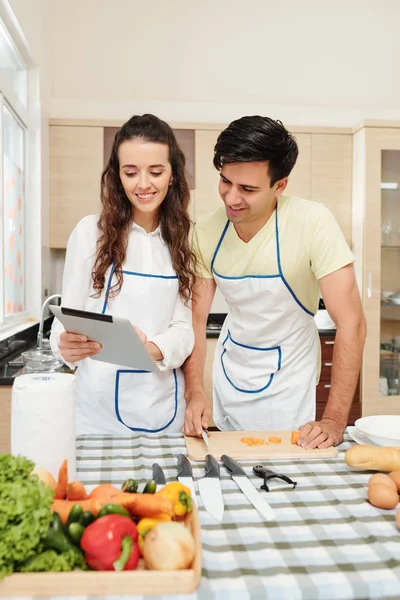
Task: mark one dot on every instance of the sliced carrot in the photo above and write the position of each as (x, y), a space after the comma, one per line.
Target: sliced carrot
(104, 490)
(275, 440)
(63, 507)
(143, 505)
(62, 483)
(253, 441)
(294, 437)
(76, 491)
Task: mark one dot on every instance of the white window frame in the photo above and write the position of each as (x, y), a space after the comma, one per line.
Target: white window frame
(30, 119)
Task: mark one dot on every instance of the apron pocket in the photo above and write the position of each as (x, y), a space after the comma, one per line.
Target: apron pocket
(249, 369)
(146, 401)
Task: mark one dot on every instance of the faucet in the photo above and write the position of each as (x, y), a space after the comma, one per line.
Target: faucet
(39, 341)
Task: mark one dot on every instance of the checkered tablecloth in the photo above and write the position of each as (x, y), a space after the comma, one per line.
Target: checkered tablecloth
(327, 541)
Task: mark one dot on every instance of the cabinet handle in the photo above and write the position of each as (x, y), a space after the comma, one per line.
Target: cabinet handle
(330, 343)
(327, 385)
(328, 364)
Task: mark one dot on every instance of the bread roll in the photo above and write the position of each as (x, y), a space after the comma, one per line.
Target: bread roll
(373, 458)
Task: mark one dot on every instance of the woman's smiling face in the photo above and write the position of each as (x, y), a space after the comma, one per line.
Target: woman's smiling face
(145, 173)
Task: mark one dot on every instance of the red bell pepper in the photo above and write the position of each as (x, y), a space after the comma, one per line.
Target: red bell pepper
(110, 543)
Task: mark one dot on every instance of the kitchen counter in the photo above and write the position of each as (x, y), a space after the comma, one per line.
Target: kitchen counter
(216, 320)
(11, 363)
(327, 541)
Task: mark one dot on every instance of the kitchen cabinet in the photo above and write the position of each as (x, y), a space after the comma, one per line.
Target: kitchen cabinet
(78, 150)
(5, 421)
(324, 385)
(76, 164)
(376, 244)
(300, 178)
(331, 176)
(207, 198)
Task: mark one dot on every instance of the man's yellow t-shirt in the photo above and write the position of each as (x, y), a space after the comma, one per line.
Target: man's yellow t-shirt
(311, 244)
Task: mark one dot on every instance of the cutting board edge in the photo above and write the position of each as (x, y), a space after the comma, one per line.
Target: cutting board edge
(239, 456)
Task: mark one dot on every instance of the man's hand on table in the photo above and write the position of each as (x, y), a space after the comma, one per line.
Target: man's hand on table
(197, 414)
(320, 434)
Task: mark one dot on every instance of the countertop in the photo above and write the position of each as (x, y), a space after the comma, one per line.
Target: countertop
(216, 320)
(326, 542)
(11, 364)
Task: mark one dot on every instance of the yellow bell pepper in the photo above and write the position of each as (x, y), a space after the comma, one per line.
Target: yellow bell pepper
(180, 497)
(146, 524)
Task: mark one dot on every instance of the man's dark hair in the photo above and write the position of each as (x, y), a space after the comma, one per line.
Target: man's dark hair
(257, 139)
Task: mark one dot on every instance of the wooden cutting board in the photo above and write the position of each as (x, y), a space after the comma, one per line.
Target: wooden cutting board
(228, 442)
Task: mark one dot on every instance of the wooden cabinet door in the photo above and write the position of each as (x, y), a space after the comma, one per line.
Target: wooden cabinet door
(377, 190)
(207, 198)
(300, 178)
(331, 176)
(211, 344)
(5, 421)
(76, 163)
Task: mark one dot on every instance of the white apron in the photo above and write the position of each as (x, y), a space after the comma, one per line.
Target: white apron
(264, 371)
(117, 400)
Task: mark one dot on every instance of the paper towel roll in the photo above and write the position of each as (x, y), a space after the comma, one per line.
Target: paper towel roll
(43, 420)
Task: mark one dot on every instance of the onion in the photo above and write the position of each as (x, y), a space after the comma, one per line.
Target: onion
(169, 547)
(46, 477)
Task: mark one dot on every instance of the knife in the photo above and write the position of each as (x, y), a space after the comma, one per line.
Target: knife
(158, 475)
(204, 433)
(210, 489)
(248, 489)
(185, 474)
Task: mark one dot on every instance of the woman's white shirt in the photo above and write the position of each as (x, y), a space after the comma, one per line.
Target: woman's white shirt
(146, 253)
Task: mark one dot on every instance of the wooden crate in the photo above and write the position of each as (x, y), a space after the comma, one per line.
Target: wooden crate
(104, 583)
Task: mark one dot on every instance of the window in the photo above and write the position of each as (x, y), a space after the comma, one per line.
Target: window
(12, 67)
(13, 214)
(14, 120)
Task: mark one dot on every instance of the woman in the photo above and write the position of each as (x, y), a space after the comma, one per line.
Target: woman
(133, 261)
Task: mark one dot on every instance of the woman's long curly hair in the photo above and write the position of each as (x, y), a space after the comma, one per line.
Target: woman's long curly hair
(116, 216)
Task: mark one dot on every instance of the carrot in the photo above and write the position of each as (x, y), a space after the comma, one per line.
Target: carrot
(275, 440)
(76, 491)
(62, 483)
(104, 490)
(249, 441)
(63, 507)
(143, 505)
(294, 437)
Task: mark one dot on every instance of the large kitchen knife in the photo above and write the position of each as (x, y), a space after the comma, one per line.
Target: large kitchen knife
(158, 475)
(248, 489)
(210, 489)
(185, 474)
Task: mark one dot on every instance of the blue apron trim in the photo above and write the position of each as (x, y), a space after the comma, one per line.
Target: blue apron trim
(236, 277)
(228, 336)
(138, 371)
(117, 402)
(150, 275)
(278, 252)
(130, 273)
(108, 289)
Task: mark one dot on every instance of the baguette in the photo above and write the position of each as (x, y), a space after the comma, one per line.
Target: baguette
(373, 458)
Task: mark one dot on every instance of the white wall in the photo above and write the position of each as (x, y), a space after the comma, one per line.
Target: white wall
(33, 17)
(305, 62)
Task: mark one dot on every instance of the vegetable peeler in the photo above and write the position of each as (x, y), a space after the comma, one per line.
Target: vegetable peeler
(265, 474)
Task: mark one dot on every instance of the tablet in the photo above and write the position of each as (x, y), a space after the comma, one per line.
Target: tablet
(121, 345)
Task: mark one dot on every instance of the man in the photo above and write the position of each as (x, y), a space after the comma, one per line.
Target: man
(271, 255)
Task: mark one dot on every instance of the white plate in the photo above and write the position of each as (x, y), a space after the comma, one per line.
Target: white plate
(384, 430)
(359, 437)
